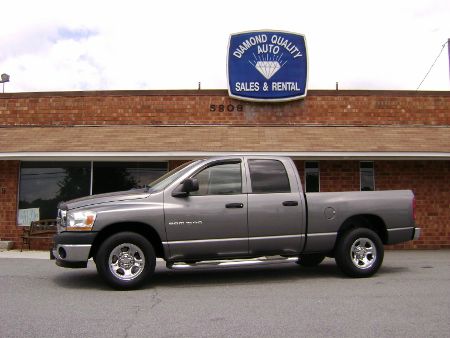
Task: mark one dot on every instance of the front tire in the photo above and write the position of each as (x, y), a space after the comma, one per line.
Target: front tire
(125, 260)
(359, 253)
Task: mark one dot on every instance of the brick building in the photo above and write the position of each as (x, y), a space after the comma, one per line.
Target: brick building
(63, 145)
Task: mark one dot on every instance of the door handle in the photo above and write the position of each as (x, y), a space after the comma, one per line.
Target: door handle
(290, 203)
(234, 205)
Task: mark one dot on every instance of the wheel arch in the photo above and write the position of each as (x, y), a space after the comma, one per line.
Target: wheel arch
(370, 221)
(143, 229)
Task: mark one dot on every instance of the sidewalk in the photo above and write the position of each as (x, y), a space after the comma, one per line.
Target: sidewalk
(25, 254)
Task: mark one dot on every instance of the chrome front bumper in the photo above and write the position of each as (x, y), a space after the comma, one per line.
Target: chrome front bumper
(71, 255)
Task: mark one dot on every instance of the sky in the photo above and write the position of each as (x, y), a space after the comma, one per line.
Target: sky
(125, 45)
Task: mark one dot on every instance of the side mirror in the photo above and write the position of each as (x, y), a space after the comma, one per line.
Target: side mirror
(188, 185)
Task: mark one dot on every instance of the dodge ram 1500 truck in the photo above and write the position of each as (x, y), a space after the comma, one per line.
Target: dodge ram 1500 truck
(228, 211)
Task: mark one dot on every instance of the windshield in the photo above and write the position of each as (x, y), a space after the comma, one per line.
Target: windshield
(165, 180)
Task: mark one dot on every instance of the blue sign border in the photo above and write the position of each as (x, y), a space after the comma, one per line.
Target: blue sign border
(268, 99)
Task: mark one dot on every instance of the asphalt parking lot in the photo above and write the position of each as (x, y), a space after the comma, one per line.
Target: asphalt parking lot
(409, 297)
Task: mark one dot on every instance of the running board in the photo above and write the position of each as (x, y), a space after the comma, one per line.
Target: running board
(231, 262)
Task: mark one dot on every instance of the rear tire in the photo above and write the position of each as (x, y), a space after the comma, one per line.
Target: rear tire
(310, 260)
(125, 260)
(359, 253)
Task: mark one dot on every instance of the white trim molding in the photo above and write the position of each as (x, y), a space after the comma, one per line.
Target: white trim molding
(174, 155)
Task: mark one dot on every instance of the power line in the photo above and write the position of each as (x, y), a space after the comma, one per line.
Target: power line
(429, 70)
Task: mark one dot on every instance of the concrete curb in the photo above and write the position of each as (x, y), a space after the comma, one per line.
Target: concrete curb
(6, 245)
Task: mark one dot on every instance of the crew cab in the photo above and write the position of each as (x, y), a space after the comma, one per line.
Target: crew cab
(227, 211)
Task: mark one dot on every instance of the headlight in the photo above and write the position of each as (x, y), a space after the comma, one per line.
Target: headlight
(80, 220)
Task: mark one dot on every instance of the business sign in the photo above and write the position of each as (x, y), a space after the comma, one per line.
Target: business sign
(267, 66)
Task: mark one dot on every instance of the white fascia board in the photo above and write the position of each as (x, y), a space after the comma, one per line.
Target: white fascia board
(153, 156)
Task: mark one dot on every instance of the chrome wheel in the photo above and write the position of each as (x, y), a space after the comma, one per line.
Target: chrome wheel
(363, 253)
(126, 261)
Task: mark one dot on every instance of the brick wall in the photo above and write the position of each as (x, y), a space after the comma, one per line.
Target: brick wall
(194, 107)
(9, 230)
(428, 179)
(9, 172)
(175, 163)
(334, 175)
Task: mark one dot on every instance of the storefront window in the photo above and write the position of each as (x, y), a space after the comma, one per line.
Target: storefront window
(119, 176)
(367, 176)
(44, 184)
(312, 176)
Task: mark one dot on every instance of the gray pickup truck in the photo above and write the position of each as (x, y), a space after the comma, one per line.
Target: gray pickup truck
(232, 210)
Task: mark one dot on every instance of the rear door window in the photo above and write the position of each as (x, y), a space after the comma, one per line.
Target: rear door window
(268, 176)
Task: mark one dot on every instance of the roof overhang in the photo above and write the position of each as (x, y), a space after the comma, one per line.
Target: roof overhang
(145, 143)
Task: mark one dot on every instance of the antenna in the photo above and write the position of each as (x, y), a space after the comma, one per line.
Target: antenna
(432, 65)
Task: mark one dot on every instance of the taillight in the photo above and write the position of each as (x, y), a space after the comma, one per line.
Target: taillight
(414, 207)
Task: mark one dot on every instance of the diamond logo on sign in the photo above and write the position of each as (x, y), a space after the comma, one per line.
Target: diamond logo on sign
(267, 66)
